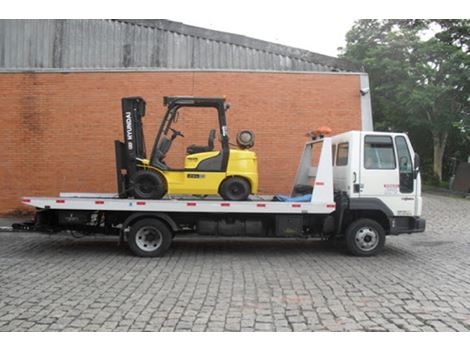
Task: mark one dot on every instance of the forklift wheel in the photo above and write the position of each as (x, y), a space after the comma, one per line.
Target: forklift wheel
(235, 188)
(148, 185)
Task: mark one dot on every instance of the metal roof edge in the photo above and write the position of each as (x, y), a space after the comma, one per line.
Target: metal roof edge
(150, 69)
(244, 41)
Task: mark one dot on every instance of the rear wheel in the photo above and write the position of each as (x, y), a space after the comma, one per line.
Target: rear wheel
(148, 185)
(235, 188)
(365, 237)
(149, 238)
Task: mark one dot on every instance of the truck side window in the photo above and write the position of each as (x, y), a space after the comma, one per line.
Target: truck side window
(405, 165)
(378, 153)
(342, 157)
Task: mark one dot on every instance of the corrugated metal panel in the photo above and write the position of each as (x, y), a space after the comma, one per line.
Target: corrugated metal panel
(106, 44)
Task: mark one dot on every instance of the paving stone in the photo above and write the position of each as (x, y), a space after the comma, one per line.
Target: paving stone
(264, 327)
(419, 282)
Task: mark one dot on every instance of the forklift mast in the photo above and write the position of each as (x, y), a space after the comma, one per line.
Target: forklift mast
(133, 148)
(133, 110)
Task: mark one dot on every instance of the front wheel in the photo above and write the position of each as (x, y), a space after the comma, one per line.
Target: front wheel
(148, 185)
(365, 237)
(149, 238)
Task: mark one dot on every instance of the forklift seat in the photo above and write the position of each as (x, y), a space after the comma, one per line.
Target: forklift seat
(193, 149)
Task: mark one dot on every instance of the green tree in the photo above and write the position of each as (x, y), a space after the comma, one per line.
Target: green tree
(419, 75)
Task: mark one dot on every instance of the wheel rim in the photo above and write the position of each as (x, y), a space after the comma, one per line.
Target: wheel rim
(367, 238)
(148, 238)
(236, 189)
(146, 185)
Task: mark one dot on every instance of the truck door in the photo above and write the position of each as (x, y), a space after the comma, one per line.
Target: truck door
(383, 177)
(408, 188)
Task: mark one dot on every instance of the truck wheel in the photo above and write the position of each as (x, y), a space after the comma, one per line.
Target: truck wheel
(365, 237)
(148, 185)
(235, 188)
(149, 238)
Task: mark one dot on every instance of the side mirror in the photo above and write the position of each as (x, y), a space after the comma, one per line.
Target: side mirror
(416, 163)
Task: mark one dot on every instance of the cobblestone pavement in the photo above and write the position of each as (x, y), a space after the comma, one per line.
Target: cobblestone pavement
(419, 282)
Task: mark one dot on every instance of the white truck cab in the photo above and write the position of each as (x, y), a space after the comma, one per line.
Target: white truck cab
(379, 172)
(378, 165)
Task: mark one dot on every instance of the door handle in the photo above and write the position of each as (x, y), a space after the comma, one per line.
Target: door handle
(356, 186)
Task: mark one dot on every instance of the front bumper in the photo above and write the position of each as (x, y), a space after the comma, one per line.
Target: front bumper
(406, 224)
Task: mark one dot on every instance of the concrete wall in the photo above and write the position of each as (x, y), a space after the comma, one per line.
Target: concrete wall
(58, 128)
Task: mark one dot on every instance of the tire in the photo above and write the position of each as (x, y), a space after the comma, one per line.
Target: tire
(235, 188)
(148, 185)
(149, 238)
(365, 237)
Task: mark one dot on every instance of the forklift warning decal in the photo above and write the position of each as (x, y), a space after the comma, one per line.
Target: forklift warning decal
(391, 189)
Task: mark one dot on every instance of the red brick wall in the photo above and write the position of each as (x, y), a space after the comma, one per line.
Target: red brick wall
(58, 128)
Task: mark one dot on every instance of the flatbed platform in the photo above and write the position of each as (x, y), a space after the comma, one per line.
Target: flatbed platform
(110, 202)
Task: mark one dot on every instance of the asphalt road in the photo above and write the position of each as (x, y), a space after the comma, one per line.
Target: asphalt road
(419, 282)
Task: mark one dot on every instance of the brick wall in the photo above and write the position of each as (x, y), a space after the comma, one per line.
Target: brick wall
(58, 128)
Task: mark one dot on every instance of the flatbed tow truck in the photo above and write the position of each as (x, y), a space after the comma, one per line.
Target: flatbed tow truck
(358, 186)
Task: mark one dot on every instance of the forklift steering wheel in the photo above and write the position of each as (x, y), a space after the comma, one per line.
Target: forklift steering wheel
(176, 133)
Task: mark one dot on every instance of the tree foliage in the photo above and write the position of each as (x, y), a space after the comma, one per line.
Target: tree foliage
(419, 76)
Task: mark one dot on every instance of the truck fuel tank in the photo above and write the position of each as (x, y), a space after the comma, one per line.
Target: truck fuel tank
(231, 227)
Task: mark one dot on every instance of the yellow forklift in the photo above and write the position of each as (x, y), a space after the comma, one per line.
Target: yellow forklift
(228, 172)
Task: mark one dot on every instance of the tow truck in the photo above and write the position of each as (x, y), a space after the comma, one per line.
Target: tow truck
(357, 186)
